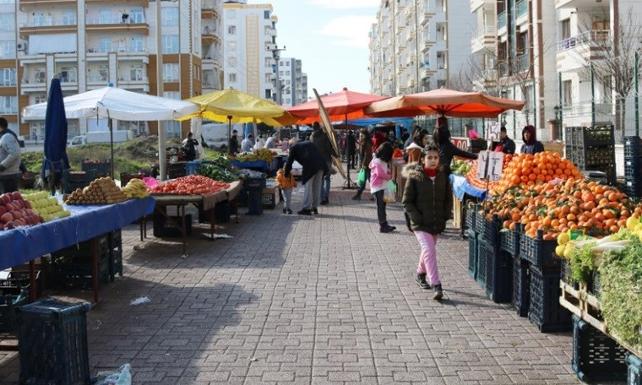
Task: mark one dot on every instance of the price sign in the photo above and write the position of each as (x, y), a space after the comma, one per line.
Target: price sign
(489, 165)
(460, 143)
(492, 131)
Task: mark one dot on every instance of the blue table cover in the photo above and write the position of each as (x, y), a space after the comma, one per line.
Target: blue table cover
(461, 186)
(24, 244)
(260, 165)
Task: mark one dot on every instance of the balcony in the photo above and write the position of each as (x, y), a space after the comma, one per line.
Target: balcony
(46, 3)
(33, 29)
(486, 38)
(501, 20)
(209, 13)
(582, 4)
(33, 85)
(138, 84)
(143, 3)
(588, 38)
(476, 4)
(577, 51)
(117, 23)
(210, 36)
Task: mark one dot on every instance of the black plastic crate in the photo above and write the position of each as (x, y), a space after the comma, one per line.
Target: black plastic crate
(634, 370)
(544, 310)
(537, 251)
(8, 305)
(521, 286)
(472, 255)
(100, 168)
(632, 147)
(491, 230)
(19, 279)
(598, 135)
(499, 279)
(596, 357)
(115, 241)
(470, 218)
(480, 222)
(53, 343)
(509, 241)
(482, 256)
(171, 226)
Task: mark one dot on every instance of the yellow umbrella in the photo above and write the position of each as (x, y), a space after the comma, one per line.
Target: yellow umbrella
(234, 106)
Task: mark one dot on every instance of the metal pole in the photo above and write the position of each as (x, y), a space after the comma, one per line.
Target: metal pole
(637, 96)
(111, 143)
(592, 96)
(535, 104)
(561, 103)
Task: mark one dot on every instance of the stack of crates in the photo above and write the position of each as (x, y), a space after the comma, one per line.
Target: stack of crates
(633, 166)
(592, 149)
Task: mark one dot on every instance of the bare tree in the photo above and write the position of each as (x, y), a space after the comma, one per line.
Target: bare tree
(615, 69)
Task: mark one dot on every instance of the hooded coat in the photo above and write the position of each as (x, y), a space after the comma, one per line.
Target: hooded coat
(447, 150)
(532, 146)
(426, 201)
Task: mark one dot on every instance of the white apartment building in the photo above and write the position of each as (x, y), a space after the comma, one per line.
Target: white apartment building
(212, 44)
(250, 48)
(140, 45)
(419, 45)
(294, 83)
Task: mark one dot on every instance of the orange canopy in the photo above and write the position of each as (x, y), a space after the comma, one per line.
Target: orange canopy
(338, 105)
(443, 102)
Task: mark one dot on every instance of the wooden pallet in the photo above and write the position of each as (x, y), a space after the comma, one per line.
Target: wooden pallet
(587, 306)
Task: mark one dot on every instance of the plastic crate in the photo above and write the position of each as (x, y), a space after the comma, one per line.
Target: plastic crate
(491, 231)
(499, 279)
(8, 305)
(19, 279)
(472, 255)
(100, 168)
(53, 343)
(480, 222)
(115, 241)
(521, 286)
(634, 371)
(171, 226)
(632, 147)
(482, 256)
(72, 180)
(544, 309)
(596, 357)
(591, 136)
(470, 218)
(509, 241)
(538, 252)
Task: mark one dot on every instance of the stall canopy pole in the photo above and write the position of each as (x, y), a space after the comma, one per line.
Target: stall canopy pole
(162, 152)
(229, 133)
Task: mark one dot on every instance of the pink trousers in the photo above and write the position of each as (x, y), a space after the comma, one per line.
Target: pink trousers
(428, 257)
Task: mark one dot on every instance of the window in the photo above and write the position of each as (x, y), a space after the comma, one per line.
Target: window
(7, 77)
(136, 15)
(170, 72)
(69, 18)
(268, 94)
(567, 88)
(7, 22)
(169, 43)
(287, 73)
(39, 99)
(67, 74)
(8, 104)
(231, 77)
(137, 73)
(231, 30)
(99, 74)
(7, 49)
(287, 63)
(104, 45)
(105, 16)
(40, 75)
(566, 28)
(169, 17)
(136, 44)
(266, 14)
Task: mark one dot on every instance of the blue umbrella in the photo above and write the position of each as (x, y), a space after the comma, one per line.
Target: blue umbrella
(56, 160)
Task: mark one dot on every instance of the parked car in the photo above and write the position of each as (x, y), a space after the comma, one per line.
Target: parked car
(77, 141)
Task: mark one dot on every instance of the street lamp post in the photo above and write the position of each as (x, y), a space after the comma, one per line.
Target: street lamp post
(276, 53)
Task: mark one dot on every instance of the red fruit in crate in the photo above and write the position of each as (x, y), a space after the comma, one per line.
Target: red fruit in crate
(17, 214)
(20, 222)
(6, 217)
(16, 196)
(27, 204)
(10, 225)
(3, 209)
(19, 204)
(4, 199)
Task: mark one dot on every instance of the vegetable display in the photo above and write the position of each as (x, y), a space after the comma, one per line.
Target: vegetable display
(260, 154)
(190, 185)
(16, 212)
(460, 167)
(46, 206)
(219, 169)
(99, 192)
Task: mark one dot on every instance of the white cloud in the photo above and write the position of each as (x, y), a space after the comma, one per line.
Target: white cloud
(350, 31)
(345, 4)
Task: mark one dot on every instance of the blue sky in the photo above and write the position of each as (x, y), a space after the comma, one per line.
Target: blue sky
(330, 37)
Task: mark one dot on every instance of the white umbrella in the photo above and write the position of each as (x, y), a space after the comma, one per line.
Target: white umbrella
(116, 103)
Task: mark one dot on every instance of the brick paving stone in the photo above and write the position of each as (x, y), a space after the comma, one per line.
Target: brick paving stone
(310, 300)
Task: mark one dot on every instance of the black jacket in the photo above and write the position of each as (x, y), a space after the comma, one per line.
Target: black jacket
(427, 203)
(234, 145)
(308, 155)
(508, 145)
(447, 151)
(321, 140)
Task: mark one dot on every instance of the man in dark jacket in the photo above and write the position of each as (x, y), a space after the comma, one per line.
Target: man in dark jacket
(314, 166)
(365, 156)
(447, 150)
(351, 149)
(531, 144)
(234, 143)
(506, 144)
(321, 140)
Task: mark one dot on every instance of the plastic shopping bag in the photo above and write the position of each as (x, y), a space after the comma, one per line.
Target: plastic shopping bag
(361, 178)
(390, 193)
(122, 377)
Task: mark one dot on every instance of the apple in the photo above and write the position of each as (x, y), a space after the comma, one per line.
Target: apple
(20, 222)
(15, 195)
(17, 214)
(27, 204)
(4, 199)
(6, 217)
(2, 209)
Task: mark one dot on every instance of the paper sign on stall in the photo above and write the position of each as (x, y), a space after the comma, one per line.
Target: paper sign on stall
(489, 165)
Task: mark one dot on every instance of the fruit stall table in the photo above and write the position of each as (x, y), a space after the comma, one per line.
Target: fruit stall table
(206, 203)
(461, 189)
(86, 223)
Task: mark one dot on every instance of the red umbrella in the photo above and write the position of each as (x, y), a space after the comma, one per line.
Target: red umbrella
(343, 105)
(444, 102)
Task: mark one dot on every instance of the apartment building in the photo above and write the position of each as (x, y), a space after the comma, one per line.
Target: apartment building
(250, 52)
(419, 45)
(212, 45)
(143, 46)
(293, 82)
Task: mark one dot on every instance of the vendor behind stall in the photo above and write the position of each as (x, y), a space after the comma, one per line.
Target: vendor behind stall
(505, 144)
(447, 150)
(9, 159)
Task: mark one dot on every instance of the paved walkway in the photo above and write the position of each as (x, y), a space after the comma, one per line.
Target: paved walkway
(298, 300)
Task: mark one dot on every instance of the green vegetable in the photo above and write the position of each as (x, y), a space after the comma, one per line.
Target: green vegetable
(582, 263)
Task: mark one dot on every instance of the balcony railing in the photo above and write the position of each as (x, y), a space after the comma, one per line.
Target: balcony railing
(522, 8)
(585, 38)
(501, 20)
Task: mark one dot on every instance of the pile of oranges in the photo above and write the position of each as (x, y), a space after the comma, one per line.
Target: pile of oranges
(555, 208)
(529, 170)
(471, 176)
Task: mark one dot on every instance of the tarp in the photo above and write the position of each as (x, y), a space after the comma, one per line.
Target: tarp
(55, 132)
(460, 187)
(24, 244)
(116, 103)
(337, 104)
(443, 102)
(238, 107)
(406, 122)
